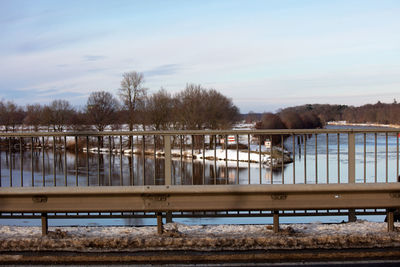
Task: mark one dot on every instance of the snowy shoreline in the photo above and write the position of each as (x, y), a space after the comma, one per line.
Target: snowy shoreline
(360, 234)
(218, 154)
(367, 124)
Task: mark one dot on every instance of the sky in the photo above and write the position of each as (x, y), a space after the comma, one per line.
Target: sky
(265, 54)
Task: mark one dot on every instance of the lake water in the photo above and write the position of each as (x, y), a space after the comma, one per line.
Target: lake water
(312, 164)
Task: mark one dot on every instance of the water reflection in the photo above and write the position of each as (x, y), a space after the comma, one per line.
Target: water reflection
(58, 169)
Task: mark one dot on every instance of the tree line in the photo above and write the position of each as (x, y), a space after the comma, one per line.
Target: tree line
(290, 118)
(194, 108)
(312, 116)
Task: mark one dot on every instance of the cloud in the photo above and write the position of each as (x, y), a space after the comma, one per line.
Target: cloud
(41, 44)
(15, 15)
(167, 69)
(93, 57)
(55, 40)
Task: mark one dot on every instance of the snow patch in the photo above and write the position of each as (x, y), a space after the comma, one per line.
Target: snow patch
(360, 234)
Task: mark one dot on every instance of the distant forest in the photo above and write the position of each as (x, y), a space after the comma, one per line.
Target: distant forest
(317, 115)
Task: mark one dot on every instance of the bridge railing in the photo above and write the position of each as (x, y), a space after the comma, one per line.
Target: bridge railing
(206, 158)
(320, 156)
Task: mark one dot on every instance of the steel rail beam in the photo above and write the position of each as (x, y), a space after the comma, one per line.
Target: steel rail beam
(164, 199)
(211, 214)
(200, 198)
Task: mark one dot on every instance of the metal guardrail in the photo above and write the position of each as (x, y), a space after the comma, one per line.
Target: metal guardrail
(164, 199)
(130, 160)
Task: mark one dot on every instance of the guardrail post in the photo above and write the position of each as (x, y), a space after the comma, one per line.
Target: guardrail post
(168, 217)
(160, 228)
(390, 220)
(45, 227)
(351, 169)
(276, 221)
(168, 177)
(167, 151)
(352, 158)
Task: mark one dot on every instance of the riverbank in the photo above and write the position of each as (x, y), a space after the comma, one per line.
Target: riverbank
(360, 234)
(367, 124)
(219, 154)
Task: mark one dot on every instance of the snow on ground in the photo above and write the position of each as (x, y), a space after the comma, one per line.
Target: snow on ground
(360, 234)
(232, 155)
(220, 154)
(368, 124)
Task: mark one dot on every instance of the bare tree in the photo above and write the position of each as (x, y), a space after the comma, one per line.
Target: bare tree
(101, 108)
(47, 117)
(220, 112)
(57, 115)
(3, 114)
(79, 120)
(270, 121)
(11, 115)
(200, 108)
(252, 117)
(160, 110)
(131, 94)
(310, 120)
(191, 107)
(33, 116)
(61, 114)
(291, 119)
